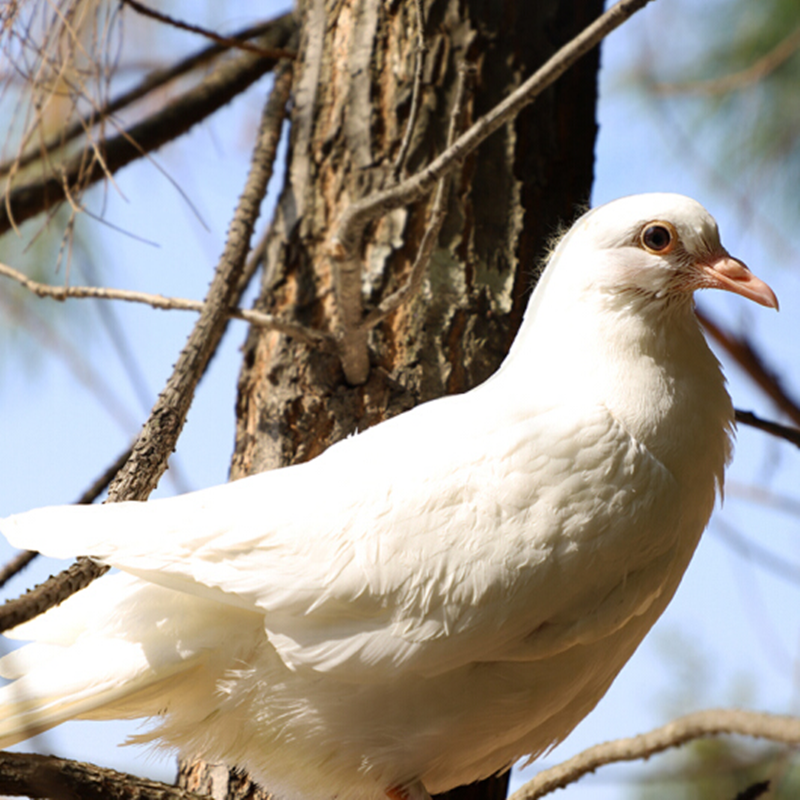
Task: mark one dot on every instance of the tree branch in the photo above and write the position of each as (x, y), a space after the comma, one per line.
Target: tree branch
(757, 71)
(413, 112)
(279, 29)
(226, 41)
(222, 84)
(752, 552)
(754, 364)
(318, 339)
(347, 236)
(157, 439)
(714, 722)
(775, 429)
(35, 775)
(24, 558)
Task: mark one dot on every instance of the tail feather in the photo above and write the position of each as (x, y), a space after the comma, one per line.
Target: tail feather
(97, 680)
(117, 650)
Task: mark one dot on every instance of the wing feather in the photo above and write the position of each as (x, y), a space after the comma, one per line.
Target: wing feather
(431, 560)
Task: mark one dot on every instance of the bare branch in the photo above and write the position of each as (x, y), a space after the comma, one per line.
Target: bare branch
(278, 29)
(757, 71)
(754, 553)
(222, 84)
(257, 318)
(21, 560)
(775, 429)
(351, 225)
(714, 722)
(35, 775)
(419, 67)
(347, 236)
(226, 41)
(49, 593)
(759, 495)
(160, 433)
(749, 359)
(16, 565)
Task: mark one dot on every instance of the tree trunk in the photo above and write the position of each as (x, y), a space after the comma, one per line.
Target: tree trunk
(353, 86)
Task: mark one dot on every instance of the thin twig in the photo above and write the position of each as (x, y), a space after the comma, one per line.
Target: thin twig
(226, 41)
(416, 91)
(34, 775)
(157, 440)
(715, 722)
(347, 236)
(16, 565)
(774, 428)
(755, 365)
(757, 71)
(759, 495)
(154, 80)
(257, 318)
(438, 213)
(226, 81)
(754, 553)
(21, 560)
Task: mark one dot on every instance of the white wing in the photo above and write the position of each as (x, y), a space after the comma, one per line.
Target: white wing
(394, 549)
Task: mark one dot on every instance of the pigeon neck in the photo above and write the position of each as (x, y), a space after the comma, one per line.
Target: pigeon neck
(647, 369)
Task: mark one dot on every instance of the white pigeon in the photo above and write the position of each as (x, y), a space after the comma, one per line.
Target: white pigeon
(432, 599)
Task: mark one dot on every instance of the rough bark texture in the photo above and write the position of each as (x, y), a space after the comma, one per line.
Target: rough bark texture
(353, 85)
(33, 775)
(352, 92)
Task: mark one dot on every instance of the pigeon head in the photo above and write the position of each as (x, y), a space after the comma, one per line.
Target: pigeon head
(619, 288)
(652, 251)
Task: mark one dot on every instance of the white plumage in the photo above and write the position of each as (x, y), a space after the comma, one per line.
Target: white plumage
(430, 600)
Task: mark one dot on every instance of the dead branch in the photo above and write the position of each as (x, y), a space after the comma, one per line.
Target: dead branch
(227, 80)
(755, 365)
(16, 565)
(279, 29)
(773, 428)
(756, 72)
(21, 560)
(160, 433)
(35, 775)
(416, 90)
(714, 722)
(754, 553)
(258, 318)
(347, 236)
(226, 41)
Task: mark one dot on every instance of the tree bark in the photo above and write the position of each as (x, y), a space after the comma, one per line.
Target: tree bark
(352, 88)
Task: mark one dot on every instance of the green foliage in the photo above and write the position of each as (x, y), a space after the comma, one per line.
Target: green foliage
(741, 85)
(722, 769)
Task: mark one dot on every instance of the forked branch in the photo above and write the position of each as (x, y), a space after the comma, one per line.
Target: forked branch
(158, 437)
(257, 318)
(226, 81)
(346, 240)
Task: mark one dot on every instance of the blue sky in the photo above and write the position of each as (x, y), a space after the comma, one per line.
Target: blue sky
(731, 634)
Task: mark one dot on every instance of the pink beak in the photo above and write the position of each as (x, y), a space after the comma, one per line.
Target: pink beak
(726, 272)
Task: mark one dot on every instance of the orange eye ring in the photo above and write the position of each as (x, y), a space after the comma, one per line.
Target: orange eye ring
(658, 237)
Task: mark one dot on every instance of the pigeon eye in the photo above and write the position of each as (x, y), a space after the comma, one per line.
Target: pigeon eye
(658, 237)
